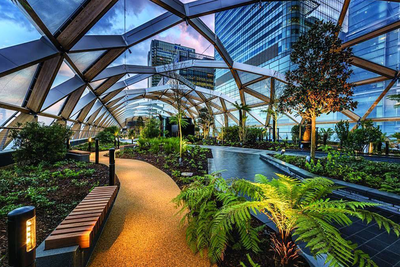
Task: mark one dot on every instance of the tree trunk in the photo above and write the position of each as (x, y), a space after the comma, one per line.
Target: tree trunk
(275, 130)
(313, 137)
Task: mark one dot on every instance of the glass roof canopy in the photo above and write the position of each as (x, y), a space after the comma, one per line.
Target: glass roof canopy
(71, 77)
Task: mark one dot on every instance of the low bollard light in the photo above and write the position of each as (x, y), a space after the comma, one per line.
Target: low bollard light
(97, 151)
(112, 166)
(21, 226)
(90, 144)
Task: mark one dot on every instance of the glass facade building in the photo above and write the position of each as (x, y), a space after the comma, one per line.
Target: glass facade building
(262, 34)
(364, 17)
(162, 53)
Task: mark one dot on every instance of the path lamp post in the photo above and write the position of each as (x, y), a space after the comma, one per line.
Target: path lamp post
(90, 144)
(132, 140)
(97, 151)
(21, 226)
(118, 142)
(68, 143)
(112, 166)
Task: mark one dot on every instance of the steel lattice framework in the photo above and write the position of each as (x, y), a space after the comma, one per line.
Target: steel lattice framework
(110, 102)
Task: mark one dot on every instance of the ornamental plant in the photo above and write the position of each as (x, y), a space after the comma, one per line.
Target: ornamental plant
(301, 211)
(36, 143)
(319, 82)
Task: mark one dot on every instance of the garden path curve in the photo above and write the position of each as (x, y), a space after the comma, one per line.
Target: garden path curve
(142, 229)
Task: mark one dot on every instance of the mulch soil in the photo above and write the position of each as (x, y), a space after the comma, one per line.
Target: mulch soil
(65, 198)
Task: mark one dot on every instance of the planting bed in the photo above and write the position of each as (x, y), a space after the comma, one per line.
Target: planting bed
(194, 160)
(379, 175)
(53, 189)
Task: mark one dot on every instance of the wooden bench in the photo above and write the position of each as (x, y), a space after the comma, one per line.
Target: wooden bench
(82, 225)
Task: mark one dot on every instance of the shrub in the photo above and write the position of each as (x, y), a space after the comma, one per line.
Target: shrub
(37, 142)
(231, 133)
(152, 129)
(254, 134)
(108, 135)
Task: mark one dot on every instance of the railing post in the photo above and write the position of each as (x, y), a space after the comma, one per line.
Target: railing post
(21, 226)
(112, 166)
(97, 151)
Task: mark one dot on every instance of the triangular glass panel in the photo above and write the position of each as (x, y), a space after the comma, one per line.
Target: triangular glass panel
(137, 13)
(55, 13)
(56, 108)
(379, 14)
(247, 77)
(16, 28)
(263, 87)
(64, 73)
(45, 120)
(250, 100)
(14, 86)
(96, 84)
(5, 115)
(84, 60)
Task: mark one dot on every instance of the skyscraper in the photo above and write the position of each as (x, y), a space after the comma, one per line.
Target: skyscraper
(162, 53)
(383, 50)
(262, 35)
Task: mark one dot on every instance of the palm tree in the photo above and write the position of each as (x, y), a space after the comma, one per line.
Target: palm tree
(242, 119)
(300, 209)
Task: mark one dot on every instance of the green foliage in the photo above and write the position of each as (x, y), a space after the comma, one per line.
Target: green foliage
(205, 120)
(231, 133)
(36, 142)
(301, 209)
(364, 135)
(380, 175)
(295, 132)
(151, 129)
(325, 134)
(342, 131)
(107, 136)
(254, 134)
(201, 202)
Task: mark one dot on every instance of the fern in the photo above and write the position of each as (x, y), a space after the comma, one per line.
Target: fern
(200, 203)
(301, 209)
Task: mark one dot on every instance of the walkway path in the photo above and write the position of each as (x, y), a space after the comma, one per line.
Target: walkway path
(142, 229)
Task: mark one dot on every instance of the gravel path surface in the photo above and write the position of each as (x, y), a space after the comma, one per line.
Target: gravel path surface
(142, 229)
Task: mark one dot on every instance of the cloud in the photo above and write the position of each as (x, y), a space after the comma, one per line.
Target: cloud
(10, 12)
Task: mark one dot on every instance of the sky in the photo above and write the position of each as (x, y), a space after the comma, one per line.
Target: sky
(15, 28)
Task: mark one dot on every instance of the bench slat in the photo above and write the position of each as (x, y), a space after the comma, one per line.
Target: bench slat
(83, 223)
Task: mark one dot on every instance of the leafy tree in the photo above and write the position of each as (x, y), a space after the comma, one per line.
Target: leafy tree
(140, 124)
(242, 119)
(37, 143)
(364, 135)
(299, 209)
(296, 132)
(319, 84)
(151, 130)
(108, 135)
(206, 120)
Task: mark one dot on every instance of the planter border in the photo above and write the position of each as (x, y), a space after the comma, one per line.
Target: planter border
(388, 201)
